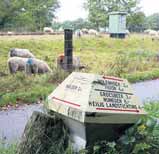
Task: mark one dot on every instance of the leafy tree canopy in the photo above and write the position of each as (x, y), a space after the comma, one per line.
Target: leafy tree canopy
(99, 9)
(152, 21)
(27, 14)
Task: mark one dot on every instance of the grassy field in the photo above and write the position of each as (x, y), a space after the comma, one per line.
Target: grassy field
(134, 58)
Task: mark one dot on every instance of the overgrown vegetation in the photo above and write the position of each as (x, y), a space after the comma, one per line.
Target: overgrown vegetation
(20, 88)
(135, 58)
(142, 138)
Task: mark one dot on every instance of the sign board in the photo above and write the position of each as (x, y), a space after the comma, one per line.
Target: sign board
(95, 98)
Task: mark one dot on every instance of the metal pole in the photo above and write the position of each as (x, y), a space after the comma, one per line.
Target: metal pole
(68, 49)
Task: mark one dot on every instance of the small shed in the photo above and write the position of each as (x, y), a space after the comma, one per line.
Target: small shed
(117, 24)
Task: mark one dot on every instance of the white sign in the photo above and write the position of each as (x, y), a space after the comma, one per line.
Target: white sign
(96, 99)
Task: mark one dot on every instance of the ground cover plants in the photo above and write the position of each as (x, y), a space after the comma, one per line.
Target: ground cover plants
(134, 58)
(142, 138)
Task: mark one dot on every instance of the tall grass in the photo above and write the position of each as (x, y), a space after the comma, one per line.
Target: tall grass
(134, 58)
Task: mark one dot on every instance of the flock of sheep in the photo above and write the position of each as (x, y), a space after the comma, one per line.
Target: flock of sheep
(78, 32)
(24, 60)
(152, 32)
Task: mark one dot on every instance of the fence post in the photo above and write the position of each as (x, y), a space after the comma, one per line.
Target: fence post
(68, 59)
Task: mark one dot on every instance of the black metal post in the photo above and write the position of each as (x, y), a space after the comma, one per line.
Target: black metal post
(68, 49)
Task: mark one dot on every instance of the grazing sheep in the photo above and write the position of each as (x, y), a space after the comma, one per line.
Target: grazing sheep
(48, 30)
(17, 64)
(78, 33)
(127, 32)
(29, 65)
(92, 32)
(10, 33)
(34, 66)
(76, 62)
(24, 53)
(84, 31)
(147, 31)
(151, 32)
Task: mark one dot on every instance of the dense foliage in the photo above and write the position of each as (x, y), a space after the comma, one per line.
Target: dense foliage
(31, 15)
(152, 21)
(142, 138)
(99, 9)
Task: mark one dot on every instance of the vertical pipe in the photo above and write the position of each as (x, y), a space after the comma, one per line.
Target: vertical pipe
(68, 49)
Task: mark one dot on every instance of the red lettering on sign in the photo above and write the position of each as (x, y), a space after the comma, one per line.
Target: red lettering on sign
(66, 102)
(110, 78)
(119, 110)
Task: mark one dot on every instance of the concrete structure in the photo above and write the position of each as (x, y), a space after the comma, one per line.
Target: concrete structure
(95, 107)
(117, 24)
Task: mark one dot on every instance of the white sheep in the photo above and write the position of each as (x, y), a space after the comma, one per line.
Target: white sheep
(35, 66)
(92, 32)
(147, 31)
(151, 32)
(29, 65)
(127, 32)
(17, 64)
(48, 30)
(84, 31)
(24, 53)
(78, 33)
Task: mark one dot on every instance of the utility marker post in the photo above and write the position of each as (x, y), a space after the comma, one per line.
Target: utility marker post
(68, 59)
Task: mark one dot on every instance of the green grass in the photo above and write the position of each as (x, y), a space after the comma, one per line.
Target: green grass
(133, 58)
(9, 149)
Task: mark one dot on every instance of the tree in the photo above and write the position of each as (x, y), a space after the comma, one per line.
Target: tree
(136, 22)
(75, 24)
(32, 14)
(99, 9)
(152, 21)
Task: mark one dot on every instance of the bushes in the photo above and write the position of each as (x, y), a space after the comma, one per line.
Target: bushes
(142, 138)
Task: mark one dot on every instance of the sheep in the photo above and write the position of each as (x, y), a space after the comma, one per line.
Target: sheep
(78, 33)
(127, 32)
(92, 32)
(75, 61)
(147, 31)
(17, 64)
(24, 53)
(35, 66)
(10, 33)
(84, 31)
(29, 65)
(151, 32)
(48, 30)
